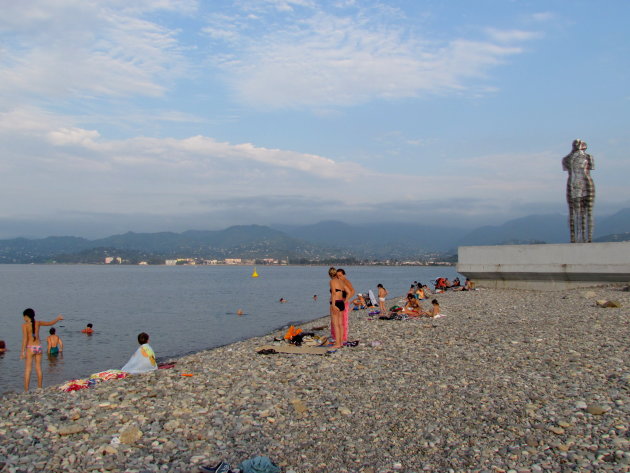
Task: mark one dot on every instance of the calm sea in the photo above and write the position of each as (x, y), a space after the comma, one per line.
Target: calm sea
(184, 309)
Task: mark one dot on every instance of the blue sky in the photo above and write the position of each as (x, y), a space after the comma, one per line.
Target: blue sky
(179, 114)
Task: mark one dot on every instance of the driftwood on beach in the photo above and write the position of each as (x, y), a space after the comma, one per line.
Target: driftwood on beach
(509, 380)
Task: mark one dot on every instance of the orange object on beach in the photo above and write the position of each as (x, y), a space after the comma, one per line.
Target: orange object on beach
(292, 332)
(187, 374)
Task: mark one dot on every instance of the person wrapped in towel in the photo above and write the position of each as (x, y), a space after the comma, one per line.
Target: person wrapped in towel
(143, 360)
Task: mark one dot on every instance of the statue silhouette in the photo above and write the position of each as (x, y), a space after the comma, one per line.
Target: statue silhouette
(580, 192)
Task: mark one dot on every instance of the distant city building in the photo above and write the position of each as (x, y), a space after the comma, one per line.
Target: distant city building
(233, 260)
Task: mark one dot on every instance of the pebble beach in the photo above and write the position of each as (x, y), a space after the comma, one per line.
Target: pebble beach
(508, 381)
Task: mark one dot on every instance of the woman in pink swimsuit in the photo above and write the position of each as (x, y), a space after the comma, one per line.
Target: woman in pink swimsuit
(32, 346)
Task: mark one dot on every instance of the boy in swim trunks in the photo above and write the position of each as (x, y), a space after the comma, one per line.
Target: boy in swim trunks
(55, 345)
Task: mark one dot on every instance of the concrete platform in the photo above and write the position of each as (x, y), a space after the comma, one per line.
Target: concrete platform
(548, 267)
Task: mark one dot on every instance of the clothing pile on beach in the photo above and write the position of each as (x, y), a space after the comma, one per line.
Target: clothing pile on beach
(78, 384)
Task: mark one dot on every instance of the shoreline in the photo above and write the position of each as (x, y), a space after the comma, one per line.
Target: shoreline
(508, 380)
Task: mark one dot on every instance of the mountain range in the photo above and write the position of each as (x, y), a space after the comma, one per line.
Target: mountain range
(320, 242)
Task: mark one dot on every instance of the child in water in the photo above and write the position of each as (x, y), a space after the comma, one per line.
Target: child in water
(89, 330)
(55, 345)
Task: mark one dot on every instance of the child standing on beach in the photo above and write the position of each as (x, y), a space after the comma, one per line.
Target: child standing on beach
(55, 345)
(32, 347)
(382, 294)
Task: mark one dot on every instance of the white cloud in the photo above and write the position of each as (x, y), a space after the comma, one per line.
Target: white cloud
(81, 48)
(324, 60)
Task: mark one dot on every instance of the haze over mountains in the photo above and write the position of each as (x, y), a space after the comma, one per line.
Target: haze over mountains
(320, 241)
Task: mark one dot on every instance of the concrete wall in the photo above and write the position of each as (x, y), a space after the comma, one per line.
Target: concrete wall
(546, 266)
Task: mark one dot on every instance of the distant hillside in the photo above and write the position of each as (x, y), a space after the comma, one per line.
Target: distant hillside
(614, 237)
(245, 241)
(323, 241)
(543, 229)
(384, 240)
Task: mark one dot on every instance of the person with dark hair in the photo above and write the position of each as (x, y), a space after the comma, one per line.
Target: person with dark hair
(143, 360)
(3, 346)
(88, 329)
(32, 347)
(382, 294)
(412, 307)
(337, 307)
(347, 293)
(55, 345)
(435, 310)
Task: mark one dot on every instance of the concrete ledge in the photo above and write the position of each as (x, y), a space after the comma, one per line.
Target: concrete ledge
(551, 267)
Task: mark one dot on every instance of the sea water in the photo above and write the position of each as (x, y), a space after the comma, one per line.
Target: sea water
(184, 309)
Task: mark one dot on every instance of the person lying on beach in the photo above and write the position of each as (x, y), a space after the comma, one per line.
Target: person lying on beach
(55, 345)
(89, 330)
(143, 360)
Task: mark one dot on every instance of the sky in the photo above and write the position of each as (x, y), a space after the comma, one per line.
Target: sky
(170, 115)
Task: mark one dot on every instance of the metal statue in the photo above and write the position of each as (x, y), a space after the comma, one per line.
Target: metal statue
(580, 192)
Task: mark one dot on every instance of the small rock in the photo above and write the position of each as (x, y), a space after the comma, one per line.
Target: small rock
(70, 429)
(557, 430)
(345, 411)
(581, 405)
(130, 435)
(299, 406)
(596, 409)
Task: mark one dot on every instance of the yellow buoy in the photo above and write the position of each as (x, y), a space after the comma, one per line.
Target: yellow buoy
(254, 274)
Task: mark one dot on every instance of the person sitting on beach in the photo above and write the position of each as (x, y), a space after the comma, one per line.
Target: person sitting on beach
(143, 360)
(469, 285)
(412, 307)
(455, 283)
(89, 330)
(359, 302)
(55, 345)
(420, 293)
(434, 312)
(426, 290)
(441, 285)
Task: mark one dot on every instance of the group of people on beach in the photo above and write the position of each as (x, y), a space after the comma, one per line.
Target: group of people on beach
(341, 292)
(31, 350)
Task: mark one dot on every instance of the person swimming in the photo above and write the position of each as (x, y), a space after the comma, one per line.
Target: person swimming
(88, 329)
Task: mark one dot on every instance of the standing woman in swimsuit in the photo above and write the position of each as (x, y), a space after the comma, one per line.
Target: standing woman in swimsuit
(32, 346)
(348, 292)
(337, 307)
